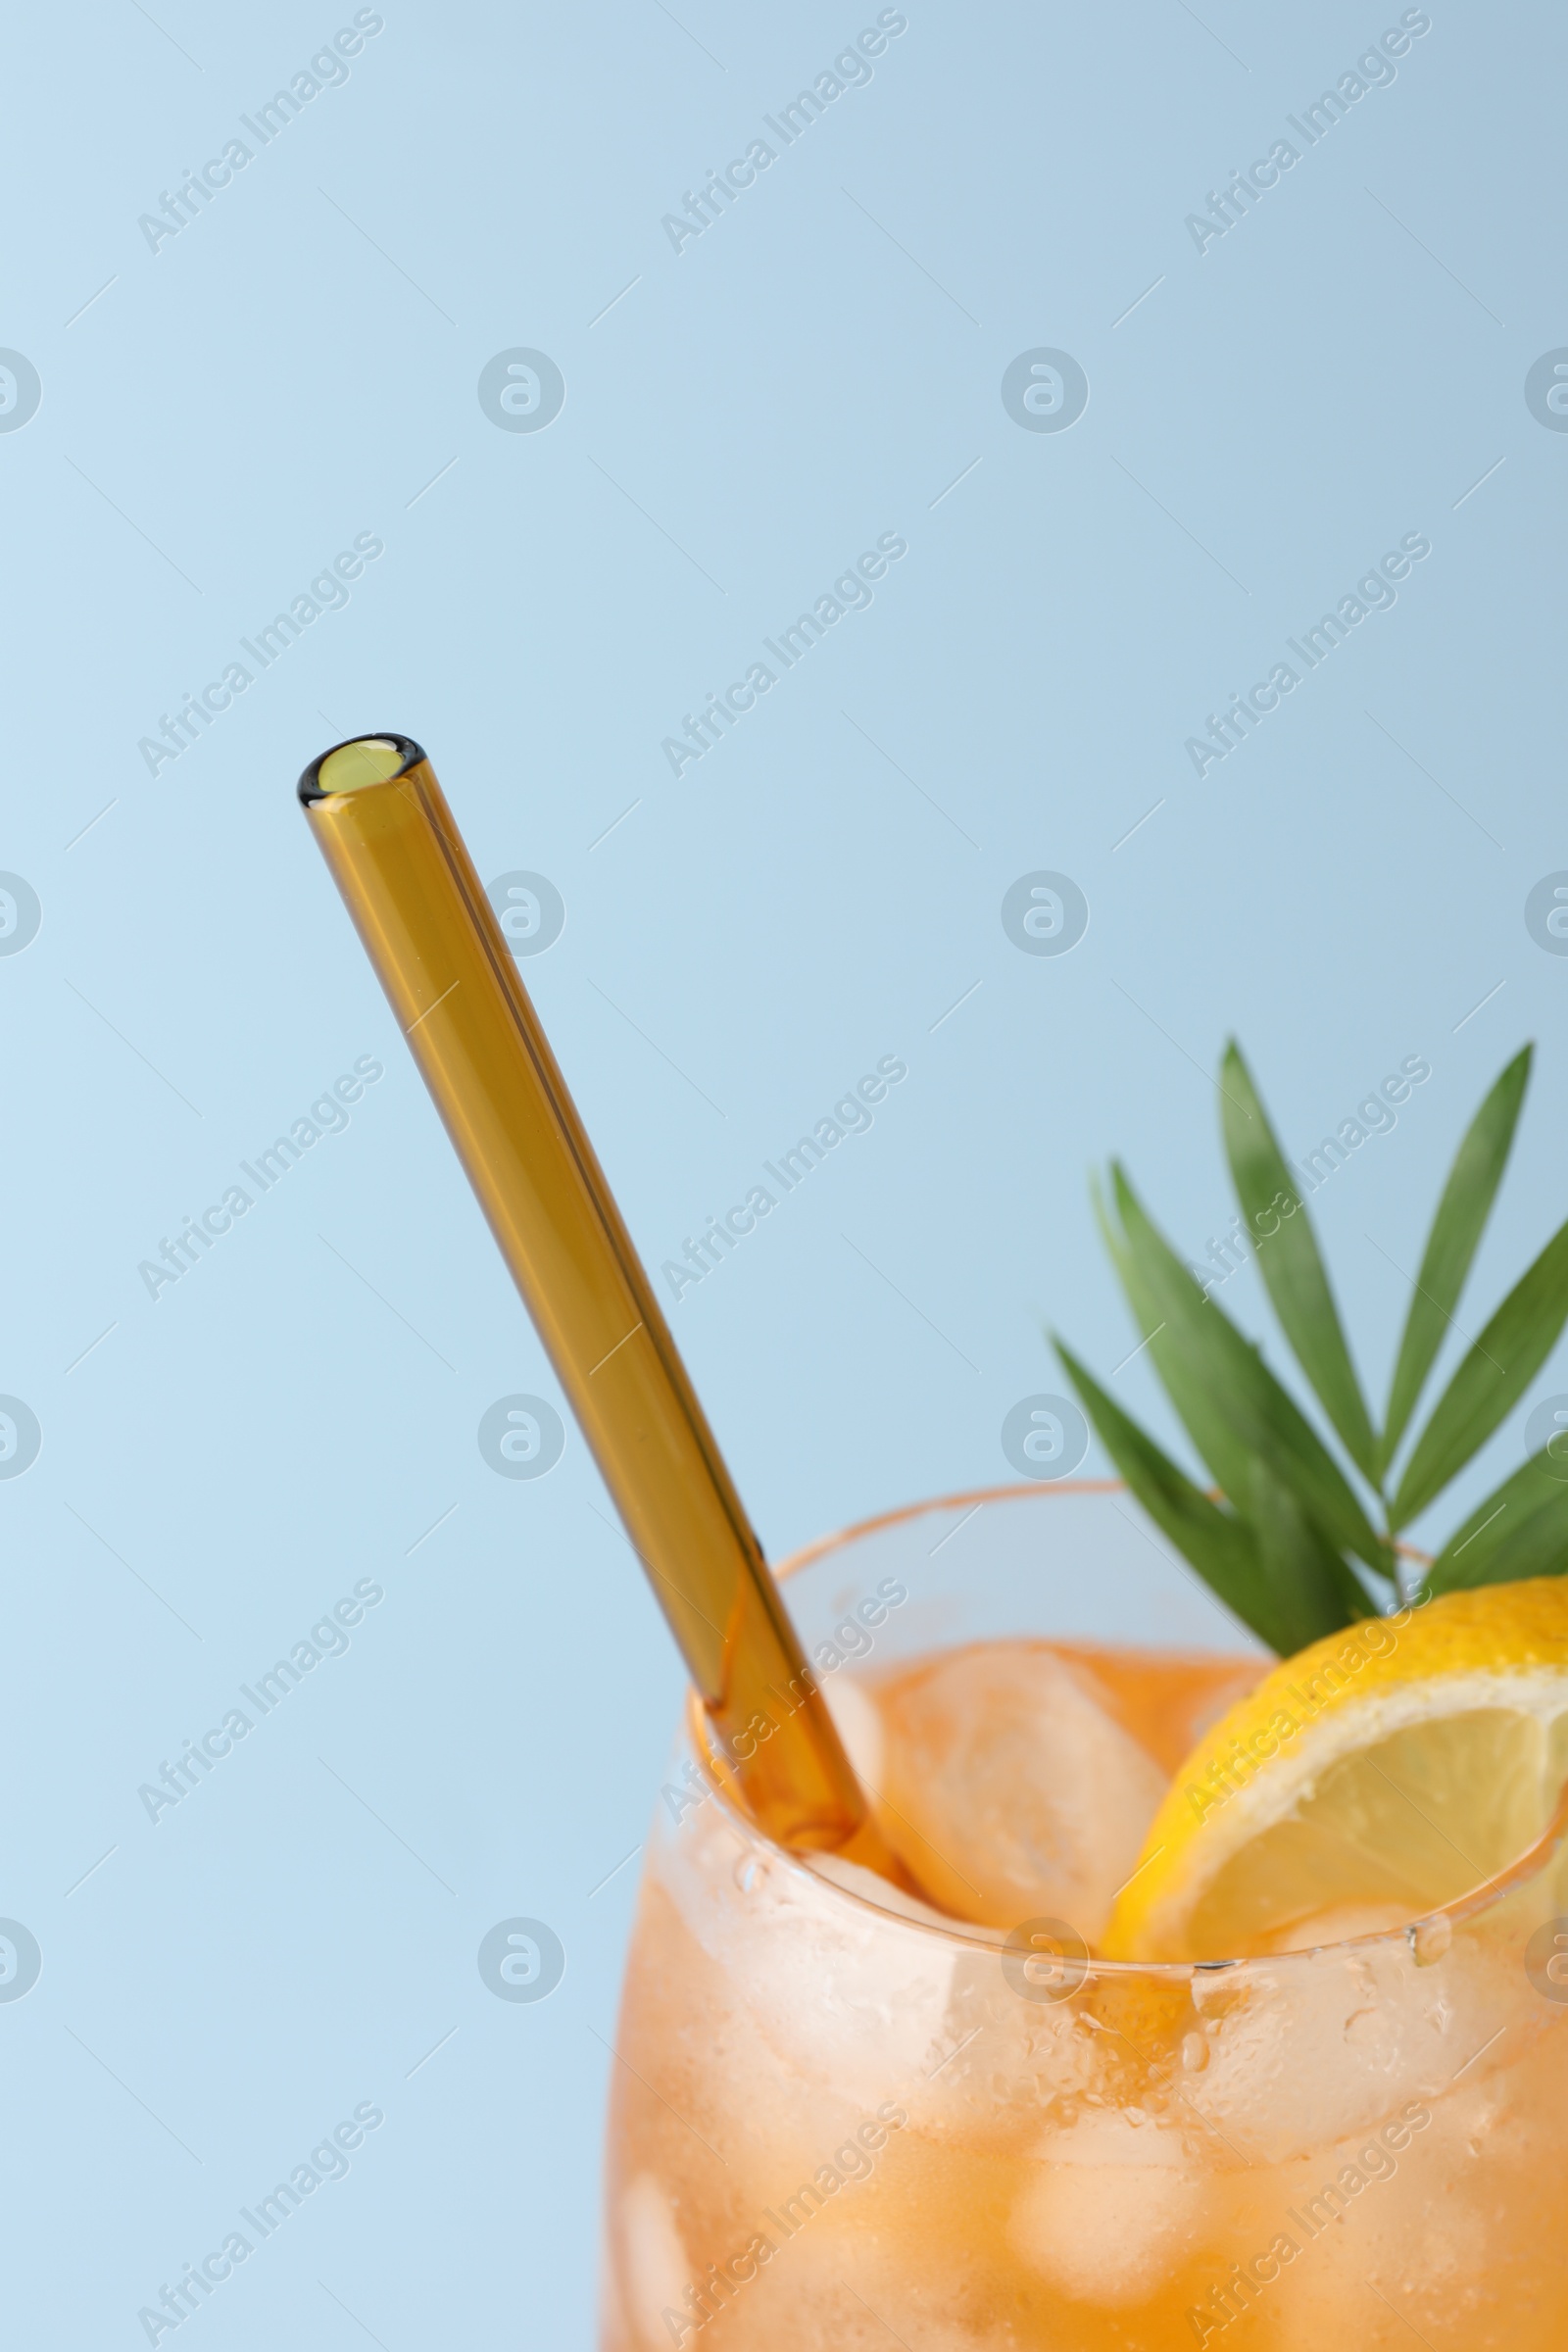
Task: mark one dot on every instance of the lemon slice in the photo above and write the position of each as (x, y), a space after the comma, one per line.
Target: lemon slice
(1385, 1771)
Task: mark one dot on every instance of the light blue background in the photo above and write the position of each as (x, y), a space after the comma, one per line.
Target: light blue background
(817, 368)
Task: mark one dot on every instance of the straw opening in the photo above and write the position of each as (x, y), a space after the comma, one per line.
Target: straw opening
(361, 760)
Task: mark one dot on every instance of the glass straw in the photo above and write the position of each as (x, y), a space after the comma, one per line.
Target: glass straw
(397, 857)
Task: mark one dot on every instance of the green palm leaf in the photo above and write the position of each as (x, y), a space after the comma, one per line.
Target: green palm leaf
(1212, 1429)
(1213, 1372)
(1519, 1531)
(1288, 1261)
(1489, 1380)
(1280, 1545)
(1219, 1544)
(1456, 1230)
(1312, 1590)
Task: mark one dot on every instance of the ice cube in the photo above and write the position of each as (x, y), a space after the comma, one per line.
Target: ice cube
(1110, 2211)
(654, 2269)
(854, 1878)
(780, 1959)
(1308, 2050)
(857, 1720)
(1008, 1786)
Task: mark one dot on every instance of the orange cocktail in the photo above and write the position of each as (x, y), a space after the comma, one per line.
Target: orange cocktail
(844, 2120)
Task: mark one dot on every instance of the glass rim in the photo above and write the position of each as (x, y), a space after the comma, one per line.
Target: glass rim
(972, 1935)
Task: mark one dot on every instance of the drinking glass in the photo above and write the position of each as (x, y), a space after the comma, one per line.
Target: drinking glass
(835, 2124)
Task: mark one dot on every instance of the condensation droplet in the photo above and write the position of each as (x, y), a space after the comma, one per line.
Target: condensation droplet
(750, 1872)
(1430, 1938)
(1195, 2052)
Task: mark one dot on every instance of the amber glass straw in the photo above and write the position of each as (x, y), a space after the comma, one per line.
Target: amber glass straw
(397, 857)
